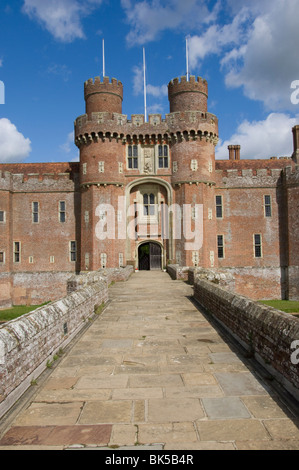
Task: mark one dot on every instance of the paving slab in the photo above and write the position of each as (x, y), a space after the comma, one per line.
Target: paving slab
(152, 372)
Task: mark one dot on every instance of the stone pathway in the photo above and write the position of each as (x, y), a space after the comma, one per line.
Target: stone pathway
(153, 371)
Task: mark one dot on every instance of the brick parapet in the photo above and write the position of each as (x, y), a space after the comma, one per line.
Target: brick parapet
(248, 177)
(291, 175)
(38, 182)
(267, 333)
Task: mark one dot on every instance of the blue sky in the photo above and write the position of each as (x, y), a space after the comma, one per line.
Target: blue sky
(246, 49)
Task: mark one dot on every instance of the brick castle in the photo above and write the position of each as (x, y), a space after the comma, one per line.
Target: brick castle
(244, 213)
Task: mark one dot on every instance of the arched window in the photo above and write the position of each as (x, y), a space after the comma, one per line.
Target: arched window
(163, 156)
(149, 204)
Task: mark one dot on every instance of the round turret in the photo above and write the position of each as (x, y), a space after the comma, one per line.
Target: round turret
(188, 95)
(103, 96)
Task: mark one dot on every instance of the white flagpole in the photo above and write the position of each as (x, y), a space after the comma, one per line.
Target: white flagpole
(187, 59)
(144, 79)
(103, 58)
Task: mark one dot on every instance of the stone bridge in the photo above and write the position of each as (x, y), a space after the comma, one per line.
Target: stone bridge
(162, 365)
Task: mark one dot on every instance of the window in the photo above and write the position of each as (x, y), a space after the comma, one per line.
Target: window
(2, 257)
(52, 259)
(163, 156)
(148, 204)
(101, 167)
(35, 212)
(120, 259)
(73, 251)
(2, 216)
(133, 157)
(220, 246)
(62, 214)
(219, 210)
(31, 260)
(17, 252)
(268, 208)
(84, 168)
(257, 245)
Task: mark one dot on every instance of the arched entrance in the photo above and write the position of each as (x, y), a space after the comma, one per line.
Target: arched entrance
(149, 256)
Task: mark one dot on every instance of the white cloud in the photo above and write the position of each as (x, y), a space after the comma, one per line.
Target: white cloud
(60, 71)
(62, 18)
(138, 85)
(14, 147)
(262, 139)
(269, 61)
(257, 49)
(69, 147)
(216, 38)
(148, 18)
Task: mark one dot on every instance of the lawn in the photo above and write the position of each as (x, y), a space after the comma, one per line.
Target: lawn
(17, 311)
(287, 306)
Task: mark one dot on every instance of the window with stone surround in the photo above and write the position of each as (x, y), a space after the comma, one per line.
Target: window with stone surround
(220, 246)
(257, 240)
(62, 211)
(268, 206)
(163, 156)
(2, 257)
(35, 212)
(133, 157)
(17, 252)
(73, 251)
(149, 204)
(219, 207)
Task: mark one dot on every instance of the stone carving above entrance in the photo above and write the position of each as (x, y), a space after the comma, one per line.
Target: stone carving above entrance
(148, 160)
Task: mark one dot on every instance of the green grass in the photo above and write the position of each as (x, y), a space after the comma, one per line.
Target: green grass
(17, 311)
(287, 306)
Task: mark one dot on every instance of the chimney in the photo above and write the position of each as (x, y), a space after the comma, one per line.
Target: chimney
(234, 152)
(295, 155)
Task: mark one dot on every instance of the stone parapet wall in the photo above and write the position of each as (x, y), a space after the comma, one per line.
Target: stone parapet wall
(178, 272)
(265, 332)
(105, 275)
(29, 342)
(217, 276)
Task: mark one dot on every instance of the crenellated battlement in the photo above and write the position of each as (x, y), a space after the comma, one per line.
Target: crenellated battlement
(177, 85)
(248, 177)
(41, 182)
(103, 96)
(94, 85)
(189, 95)
(291, 175)
(188, 125)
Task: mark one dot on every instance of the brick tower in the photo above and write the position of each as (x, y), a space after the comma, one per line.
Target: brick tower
(101, 175)
(195, 134)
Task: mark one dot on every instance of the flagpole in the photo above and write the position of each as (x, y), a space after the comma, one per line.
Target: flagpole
(103, 58)
(187, 59)
(144, 80)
